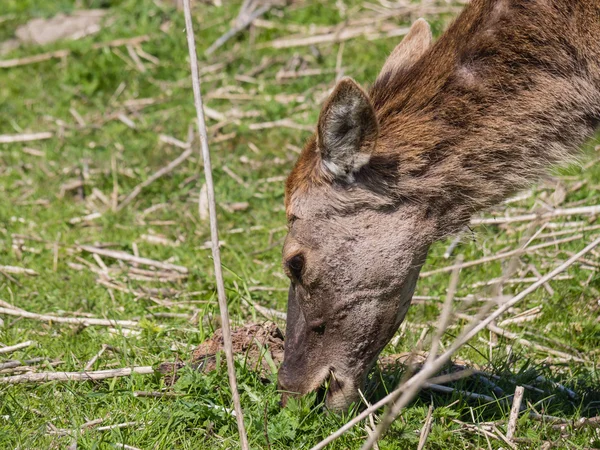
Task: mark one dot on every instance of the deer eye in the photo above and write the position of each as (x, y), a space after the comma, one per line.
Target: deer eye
(295, 266)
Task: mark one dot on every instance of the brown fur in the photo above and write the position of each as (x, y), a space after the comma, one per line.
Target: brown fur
(512, 88)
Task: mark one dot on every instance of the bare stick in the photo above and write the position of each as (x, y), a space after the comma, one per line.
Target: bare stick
(85, 321)
(14, 348)
(214, 230)
(446, 311)
(239, 26)
(369, 428)
(156, 394)
(116, 254)
(43, 377)
(426, 428)
(92, 361)
(514, 413)
(516, 252)
(17, 270)
(515, 337)
(344, 34)
(165, 170)
(64, 53)
(15, 363)
(421, 378)
(559, 212)
(27, 137)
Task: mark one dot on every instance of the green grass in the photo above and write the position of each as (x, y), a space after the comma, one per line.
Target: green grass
(98, 84)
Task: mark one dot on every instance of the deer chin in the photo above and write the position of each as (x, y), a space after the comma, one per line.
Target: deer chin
(336, 389)
(341, 392)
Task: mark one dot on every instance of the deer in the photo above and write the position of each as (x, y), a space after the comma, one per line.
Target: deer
(446, 130)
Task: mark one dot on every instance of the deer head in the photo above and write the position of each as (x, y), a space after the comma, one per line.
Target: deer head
(353, 256)
(446, 130)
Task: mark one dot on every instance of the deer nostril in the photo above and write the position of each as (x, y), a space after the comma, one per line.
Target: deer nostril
(319, 328)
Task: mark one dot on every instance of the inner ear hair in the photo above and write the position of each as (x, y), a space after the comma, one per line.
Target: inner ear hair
(347, 129)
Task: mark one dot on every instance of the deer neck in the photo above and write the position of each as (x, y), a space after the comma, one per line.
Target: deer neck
(488, 109)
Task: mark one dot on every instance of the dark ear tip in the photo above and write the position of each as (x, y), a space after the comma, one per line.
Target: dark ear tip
(347, 83)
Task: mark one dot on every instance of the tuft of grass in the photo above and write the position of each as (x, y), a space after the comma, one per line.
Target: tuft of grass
(100, 84)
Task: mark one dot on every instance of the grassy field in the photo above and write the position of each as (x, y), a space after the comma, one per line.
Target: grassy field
(107, 106)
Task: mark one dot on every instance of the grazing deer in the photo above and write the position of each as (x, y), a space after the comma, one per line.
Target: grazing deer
(446, 130)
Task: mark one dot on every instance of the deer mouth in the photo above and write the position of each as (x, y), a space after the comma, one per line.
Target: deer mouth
(332, 393)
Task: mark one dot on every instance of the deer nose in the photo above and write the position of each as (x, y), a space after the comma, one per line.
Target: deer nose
(286, 381)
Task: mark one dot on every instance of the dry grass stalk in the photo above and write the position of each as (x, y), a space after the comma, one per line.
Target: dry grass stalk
(466, 394)
(17, 270)
(7, 63)
(286, 123)
(559, 212)
(214, 230)
(526, 316)
(25, 137)
(509, 254)
(446, 314)
(15, 363)
(165, 170)
(43, 377)
(345, 34)
(426, 428)
(244, 19)
(407, 391)
(515, 337)
(123, 256)
(369, 428)
(84, 321)
(14, 348)
(235, 177)
(92, 361)
(514, 413)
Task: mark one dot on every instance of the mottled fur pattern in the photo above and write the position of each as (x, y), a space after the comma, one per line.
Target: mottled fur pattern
(446, 130)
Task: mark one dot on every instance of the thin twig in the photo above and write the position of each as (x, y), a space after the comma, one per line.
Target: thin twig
(516, 252)
(17, 270)
(447, 310)
(84, 321)
(43, 377)
(165, 170)
(153, 394)
(514, 413)
(214, 230)
(25, 137)
(116, 254)
(239, 26)
(426, 428)
(559, 212)
(92, 361)
(7, 63)
(14, 348)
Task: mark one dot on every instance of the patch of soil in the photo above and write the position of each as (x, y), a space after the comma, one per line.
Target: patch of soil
(254, 341)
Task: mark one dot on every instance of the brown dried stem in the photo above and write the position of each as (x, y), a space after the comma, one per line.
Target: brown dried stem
(43, 377)
(214, 231)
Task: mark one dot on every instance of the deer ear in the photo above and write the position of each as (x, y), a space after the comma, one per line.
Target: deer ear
(410, 50)
(347, 129)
